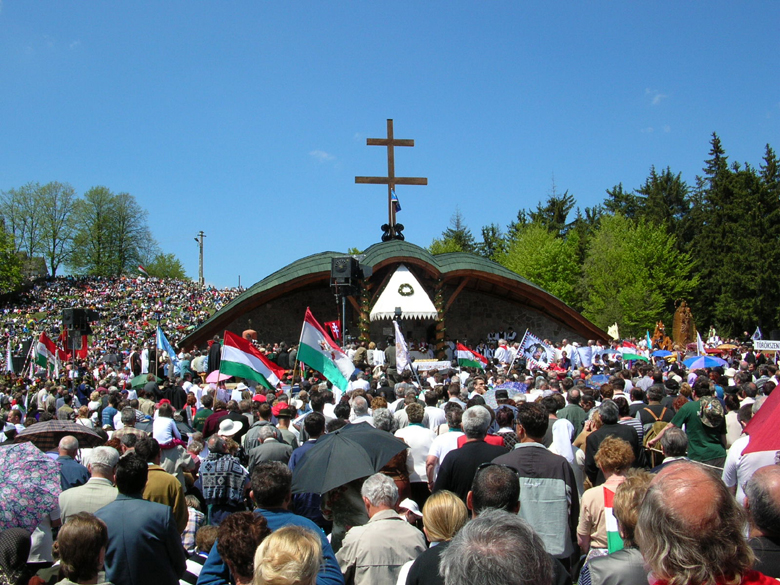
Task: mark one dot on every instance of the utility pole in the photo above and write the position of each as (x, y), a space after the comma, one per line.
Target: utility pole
(199, 239)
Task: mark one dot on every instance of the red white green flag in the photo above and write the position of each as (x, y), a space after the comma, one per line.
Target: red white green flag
(318, 351)
(45, 351)
(470, 359)
(614, 542)
(241, 358)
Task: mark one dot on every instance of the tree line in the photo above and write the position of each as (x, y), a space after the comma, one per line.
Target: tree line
(101, 233)
(633, 257)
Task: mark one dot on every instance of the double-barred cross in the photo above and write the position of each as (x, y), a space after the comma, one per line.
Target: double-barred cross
(390, 180)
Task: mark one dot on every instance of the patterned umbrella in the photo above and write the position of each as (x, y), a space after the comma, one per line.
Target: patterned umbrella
(29, 486)
(46, 435)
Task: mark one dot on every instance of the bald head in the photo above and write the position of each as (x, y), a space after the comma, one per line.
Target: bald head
(762, 501)
(683, 483)
(68, 445)
(690, 529)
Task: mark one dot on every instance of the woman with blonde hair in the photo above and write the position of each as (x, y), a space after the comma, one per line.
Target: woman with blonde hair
(289, 556)
(444, 514)
(83, 418)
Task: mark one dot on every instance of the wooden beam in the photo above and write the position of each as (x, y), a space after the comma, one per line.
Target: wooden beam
(392, 181)
(354, 303)
(454, 296)
(388, 142)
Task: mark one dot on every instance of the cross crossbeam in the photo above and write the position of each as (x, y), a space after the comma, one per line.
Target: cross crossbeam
(390, 180)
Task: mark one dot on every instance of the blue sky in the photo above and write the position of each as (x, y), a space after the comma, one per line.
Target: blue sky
(248, 120)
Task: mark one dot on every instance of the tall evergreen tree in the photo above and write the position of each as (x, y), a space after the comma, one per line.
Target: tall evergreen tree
(554, 213)
(621, 202)
(493, 242)
(664, 199)
(712, 231)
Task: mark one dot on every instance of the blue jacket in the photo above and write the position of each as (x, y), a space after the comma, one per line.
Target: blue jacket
(144, 545)
(72, 473)
(215, 571)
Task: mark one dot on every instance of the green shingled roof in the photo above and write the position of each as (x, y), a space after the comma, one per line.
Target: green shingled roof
(374, 255)
(398, 251)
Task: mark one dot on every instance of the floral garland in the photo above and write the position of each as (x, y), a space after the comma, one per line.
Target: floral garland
(441, 329)
(405, 290)
(364, 324)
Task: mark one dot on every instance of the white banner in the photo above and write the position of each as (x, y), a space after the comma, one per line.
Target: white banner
(422, 365)
(766, 345)
(401, 350)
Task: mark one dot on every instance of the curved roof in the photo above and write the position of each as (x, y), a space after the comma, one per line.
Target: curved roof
(493, 279)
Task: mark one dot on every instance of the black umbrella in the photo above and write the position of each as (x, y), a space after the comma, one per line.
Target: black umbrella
(46, 435)
(354, 451)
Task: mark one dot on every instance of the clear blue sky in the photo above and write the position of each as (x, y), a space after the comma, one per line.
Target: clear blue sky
(248, 120)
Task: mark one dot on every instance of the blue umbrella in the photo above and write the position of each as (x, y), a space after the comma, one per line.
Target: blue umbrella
(516, 387)
(597, 381)
(662, 353)
(703, 361)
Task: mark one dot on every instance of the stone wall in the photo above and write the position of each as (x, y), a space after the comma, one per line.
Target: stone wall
(473, 315)
(282, 318)
(470, 318)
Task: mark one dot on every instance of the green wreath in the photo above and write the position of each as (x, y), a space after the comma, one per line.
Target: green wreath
(405, 290)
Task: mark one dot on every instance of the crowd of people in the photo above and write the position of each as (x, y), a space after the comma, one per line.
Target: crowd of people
(617, 472)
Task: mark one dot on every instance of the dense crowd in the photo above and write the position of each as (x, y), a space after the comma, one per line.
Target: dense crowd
(617, 471)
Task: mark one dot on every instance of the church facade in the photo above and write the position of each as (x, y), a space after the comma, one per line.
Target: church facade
(471, 296)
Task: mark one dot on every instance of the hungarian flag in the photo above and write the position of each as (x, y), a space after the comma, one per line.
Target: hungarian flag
(470, 359)
(241, 358)
(318, 351)
(142, 270)
(45, 351)
(614, 542)
(629, 351)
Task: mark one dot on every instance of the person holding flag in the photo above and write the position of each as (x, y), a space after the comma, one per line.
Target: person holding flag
(163, 345)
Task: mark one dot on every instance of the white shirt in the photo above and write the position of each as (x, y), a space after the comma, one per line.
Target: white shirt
(164, 430)
(436, 417)
(378, 358)
(358, 384)
(419, 440)
(442, 445)
(502, 355)
(739, 468)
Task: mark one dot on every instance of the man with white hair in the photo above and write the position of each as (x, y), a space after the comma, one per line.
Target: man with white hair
(269, 449)
(99, 491)
(360, 411)
(502, 355)
(374, 553)
(72, 473)
(459, 466)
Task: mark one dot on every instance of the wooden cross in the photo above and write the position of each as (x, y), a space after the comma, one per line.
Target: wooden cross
(390, 180)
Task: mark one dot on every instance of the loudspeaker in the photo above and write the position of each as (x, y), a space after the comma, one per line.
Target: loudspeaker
(68, 317)
(344, 269)
(79, 319)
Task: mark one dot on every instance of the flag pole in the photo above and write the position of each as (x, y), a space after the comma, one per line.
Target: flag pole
(519, 349)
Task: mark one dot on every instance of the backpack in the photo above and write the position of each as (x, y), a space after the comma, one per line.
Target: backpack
(652, 430)
(711, 412)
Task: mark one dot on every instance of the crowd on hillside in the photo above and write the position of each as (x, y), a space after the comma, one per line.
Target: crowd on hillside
(616, 472)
